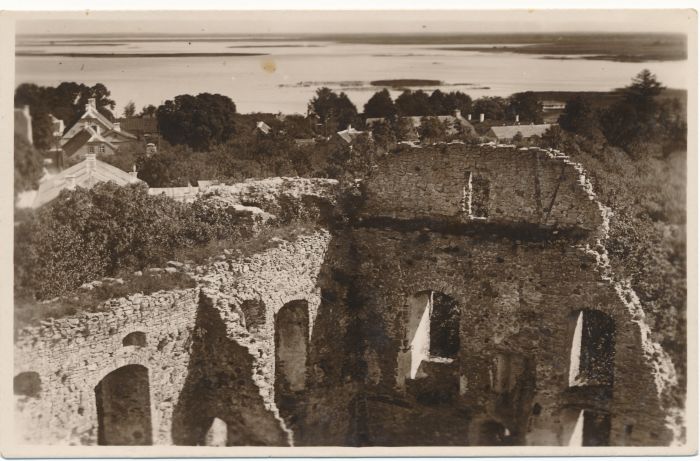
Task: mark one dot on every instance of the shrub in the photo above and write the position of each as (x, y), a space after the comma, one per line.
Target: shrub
(87, 234)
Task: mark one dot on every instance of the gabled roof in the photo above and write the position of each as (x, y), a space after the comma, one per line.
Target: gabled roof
(372, 120)
(84, 136)
(91, 112)
(348, 135)
(264, 127)
(84, 174)
(509, 131)
(118, 134)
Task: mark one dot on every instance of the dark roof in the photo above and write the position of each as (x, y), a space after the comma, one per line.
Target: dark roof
(76, 142)
(139, 124)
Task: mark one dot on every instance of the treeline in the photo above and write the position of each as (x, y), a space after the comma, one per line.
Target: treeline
(65, 102)
(639, 122)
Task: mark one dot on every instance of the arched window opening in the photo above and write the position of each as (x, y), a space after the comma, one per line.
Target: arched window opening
(124, 407)
(136, 338)
(592, 429)
(291, 346)
(592, 350)
(217, 435)
(254, 313)
(27, 384)
(433, 329)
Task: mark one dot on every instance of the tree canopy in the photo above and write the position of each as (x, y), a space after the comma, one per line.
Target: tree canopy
(66, 102)
(527, 106)
(380, 105)
(335, 111)
(197, 121)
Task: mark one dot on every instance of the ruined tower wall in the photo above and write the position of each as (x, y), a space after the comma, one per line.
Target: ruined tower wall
(516, 299)
(527, 186)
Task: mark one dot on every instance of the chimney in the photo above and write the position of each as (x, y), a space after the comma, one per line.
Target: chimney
(117, 126)
(70, 182)
(91, 161)
(469, 117)
(458, 113)
(481, 117)
(517, 119)
(91, 102)
(134, 174)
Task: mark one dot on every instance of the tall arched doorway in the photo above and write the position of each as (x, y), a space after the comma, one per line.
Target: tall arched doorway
(124, 407)
(291, 351)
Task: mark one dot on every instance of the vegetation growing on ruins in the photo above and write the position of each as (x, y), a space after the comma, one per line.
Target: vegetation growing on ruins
(88, 234)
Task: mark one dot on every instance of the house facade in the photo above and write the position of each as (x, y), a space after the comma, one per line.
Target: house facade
(93, 133)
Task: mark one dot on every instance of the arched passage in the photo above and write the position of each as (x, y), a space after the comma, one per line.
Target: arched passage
(291, 350)
(124, 407)
(291, 346)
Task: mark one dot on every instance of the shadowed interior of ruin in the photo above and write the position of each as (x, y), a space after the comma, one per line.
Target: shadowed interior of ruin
(124, 407)
(219, 385)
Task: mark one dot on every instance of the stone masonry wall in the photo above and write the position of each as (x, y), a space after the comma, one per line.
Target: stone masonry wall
(526, 186)
(516, 299)
(72, 354)
(210, 350)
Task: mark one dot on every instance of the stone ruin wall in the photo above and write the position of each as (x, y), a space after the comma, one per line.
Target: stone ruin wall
(211, 351)
(71, 355)
(516, 300)
(525, 186)
(518, 294)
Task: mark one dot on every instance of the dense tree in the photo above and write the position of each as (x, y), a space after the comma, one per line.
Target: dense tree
(579, 117)
(380, 105)
(438, 103)
(129, 109)
(335, 111)
(493, 107)
(456, 100)
(148, 111)
(432, 130)
(636, 118)
(526, 105)
(383, 135)
(197, 121)
(413, 103)
(29, 166)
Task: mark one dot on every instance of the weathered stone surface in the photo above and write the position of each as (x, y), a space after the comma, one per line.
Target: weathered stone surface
(520, 265)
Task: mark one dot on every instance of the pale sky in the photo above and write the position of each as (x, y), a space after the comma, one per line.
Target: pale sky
(289, 22)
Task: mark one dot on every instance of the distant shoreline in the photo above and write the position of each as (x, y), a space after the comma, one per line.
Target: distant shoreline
(136, 55)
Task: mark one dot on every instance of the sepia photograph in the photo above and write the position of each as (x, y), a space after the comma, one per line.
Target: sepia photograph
(350, 231)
